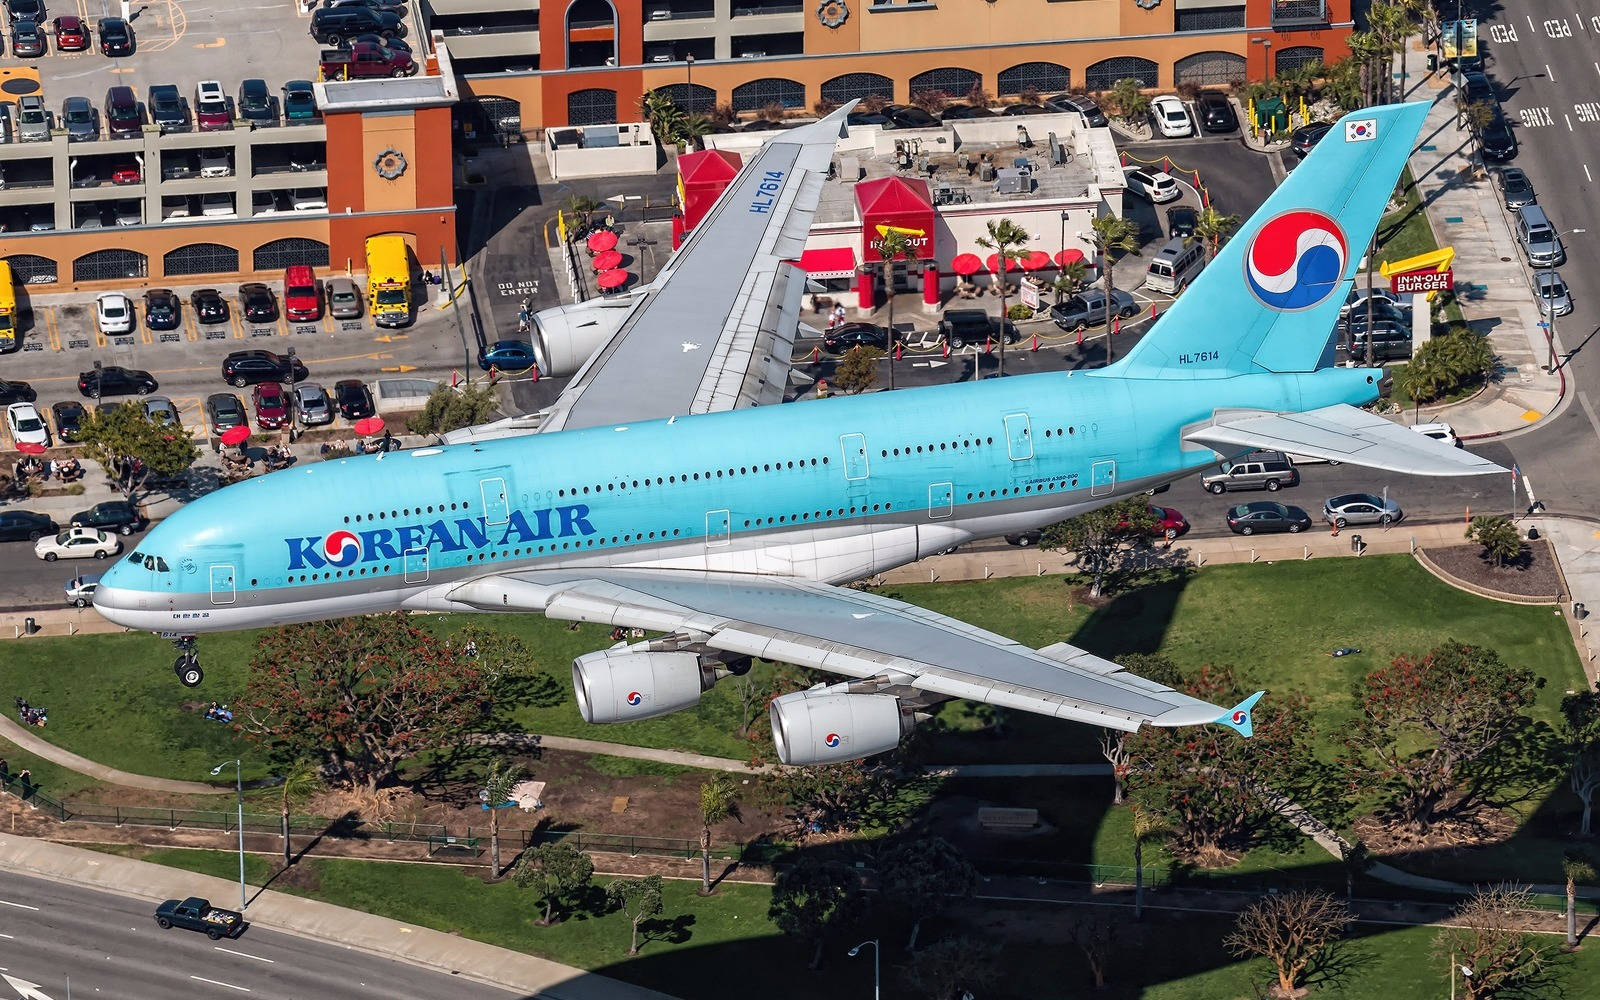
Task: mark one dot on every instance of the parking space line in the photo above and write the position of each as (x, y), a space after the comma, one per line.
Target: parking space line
(283, 324)
(190, 327)
(50, 326)
(238, 329)
(144, 333)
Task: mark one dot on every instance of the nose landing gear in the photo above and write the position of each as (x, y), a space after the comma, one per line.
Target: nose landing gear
(187, 665)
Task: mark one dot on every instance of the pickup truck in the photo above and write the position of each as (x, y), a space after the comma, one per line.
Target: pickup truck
(365, 59)
(198, 914)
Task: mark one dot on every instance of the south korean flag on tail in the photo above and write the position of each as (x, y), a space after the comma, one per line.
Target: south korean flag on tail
(1360, 130)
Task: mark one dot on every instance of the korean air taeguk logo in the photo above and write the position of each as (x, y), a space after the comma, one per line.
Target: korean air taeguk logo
(341, 548)
(1239, 715)
(634, 698)
(832, 739)
(1296, 260)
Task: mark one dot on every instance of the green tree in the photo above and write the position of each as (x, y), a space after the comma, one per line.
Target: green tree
(1577, 868)
(717, 803)
(1499, 537)
(1128, 96)
(951, 967)
(830, 796)
(1426, 724)
(893, 245)
(1392, 23)
(1580, 725)
(1146, 827)
(639, 899)
(498, 782)
(1291, 930)
(1214, 228)
(115, 437)
(451, 407)
(1503, 959)
(1114, 743)
(857, 371)
(1009, 242)
(1071, 279)
(555, 872)
(812, 898)
(1113, 235)
(665, 118)
(924, 877)
(582, 209)
(1419, 378)
(1101, 537)
(300, 779)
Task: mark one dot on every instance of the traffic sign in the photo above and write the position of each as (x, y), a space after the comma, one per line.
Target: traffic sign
(1419, 282)
(1030, 294)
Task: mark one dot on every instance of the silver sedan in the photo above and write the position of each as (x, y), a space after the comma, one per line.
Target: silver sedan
(1361, 508)
(312, 404)
(1554, 296)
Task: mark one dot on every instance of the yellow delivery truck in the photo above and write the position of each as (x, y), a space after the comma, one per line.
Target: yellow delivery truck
(389, 280)
(10, 337)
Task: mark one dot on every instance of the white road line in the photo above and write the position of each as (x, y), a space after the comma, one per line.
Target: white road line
(20, 906)
(8, 937)
(1531, 28)
(213, 982)
(1527, 487)
(1569, 121)
(1587, 174)
(241, 954)
(1549, 75)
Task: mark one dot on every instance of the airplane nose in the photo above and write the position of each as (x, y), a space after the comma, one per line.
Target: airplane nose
(116, 604)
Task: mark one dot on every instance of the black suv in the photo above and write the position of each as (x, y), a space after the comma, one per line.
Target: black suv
(123, 117)
(16, 392)
(168, 108)
(242, 368)
(257, 303)
(973, 326)
(354, 399)
(256, 103)
(1496, 139)
(25, 525)
(332, 25)
(1216, 114)
(116, 381)
(162, 309)
(113, 515)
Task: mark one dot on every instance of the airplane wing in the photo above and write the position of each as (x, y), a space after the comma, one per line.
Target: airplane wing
(854, 634)
(715, 330)
(1341, 433)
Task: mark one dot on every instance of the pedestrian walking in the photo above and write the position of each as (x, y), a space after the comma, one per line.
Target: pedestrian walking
(838, 313)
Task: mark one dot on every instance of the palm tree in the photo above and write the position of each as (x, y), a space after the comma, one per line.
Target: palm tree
(1071, 280)
(1410, 18)
(1007, 240)
(581, 208)
(1577, 868)
(1145, 826)
(1113, 234)
(1214, 228)
(299, 781)
(1419, 380)
(1128, 95)
(716, 804)
(893, 245)
(497, 786)
(1391, 22)
(661, 114)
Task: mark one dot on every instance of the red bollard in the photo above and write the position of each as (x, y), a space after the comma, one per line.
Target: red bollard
(816, 355)
(1116, 325)
(988, 345)
(946, 352)
(1124, 159)
(1036, 342)
(533, 374)
(1152, 310)
(899, 350)
(455, 378)
(1080, 336)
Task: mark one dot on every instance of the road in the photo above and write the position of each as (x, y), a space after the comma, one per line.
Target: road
(108, 945)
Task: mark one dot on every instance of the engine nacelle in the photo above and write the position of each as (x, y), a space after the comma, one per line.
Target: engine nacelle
(828, 725)
(624, 685)
(564, 337)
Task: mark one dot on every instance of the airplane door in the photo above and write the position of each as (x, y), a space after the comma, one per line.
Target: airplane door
(222, 583)
(854, 449)
(496, 509)
(718, 528)
(1103, 477)
(941, 499)
(417, 565)
(1019, 439)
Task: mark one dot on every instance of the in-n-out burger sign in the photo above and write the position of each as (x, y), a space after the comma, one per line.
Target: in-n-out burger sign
(919, 239)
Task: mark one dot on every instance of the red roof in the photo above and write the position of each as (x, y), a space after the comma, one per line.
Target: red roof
(710, 166)
(833, 262)
(893, 196)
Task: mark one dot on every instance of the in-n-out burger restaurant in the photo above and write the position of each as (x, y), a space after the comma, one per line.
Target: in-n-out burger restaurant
(939, 188)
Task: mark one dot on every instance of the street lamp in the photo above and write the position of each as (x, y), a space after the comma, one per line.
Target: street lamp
(857, 950)
(1466, 973)
(688, 74)
(1548, 308)
(1266, 58)
(238, 785)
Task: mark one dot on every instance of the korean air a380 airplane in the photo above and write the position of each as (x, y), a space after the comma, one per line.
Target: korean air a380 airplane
(663, 493)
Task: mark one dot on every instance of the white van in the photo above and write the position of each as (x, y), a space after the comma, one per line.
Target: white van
(1175, 266)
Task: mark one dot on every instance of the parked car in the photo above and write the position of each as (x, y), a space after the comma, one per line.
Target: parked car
(507, 355)
(1496, 140)
(312, 406)
(79, 119)
(354, 399)
(845, 336)
(365, 59)
(1391, 340)
(1382, 298)
(69, 416)
(211, 109)
(1166, 522)
(33, 121)
(344, 300)
(113, 515)
(114, 380)
(331, 25)
(168, 108)
(271, 406)
(77, 543)
(1265, 515)
(209, 306)
(242, 368)
(258, 303)
(25, 526)
(1014, 110)
(17, 392)
(217, 205)
(198, 914)
(1157, 186)
(223, 412)
(113, 313)
(160, 408)
(1552, 292)
(1476, 88)
(308, 200)
(256, 103)
(1181, 222)
(1439, 432)
(1171, 117)
(1361, 508)
(1088, 308)
(974, 326)
(80, 589)
(123, 116)
(72, 35)
(116, 37)
(964, 112)
(25, 10)
(128, 212)
(126, 172)
(908, 116)
(216, 162)
(27, 41)
(302, 295)
(1258, 470)
(1216, 111)
(162, 309)
(1516, 190)
(26, 426)
(1092, 115)
(299, 101)
(1375, 312)
(1305, 138)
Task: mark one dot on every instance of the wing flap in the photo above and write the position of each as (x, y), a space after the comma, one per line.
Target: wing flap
(1341, 433)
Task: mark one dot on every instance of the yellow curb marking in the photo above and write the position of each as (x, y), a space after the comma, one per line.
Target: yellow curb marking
(1531, 415)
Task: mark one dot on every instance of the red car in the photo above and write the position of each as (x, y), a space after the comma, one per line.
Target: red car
(272, 405)
(71, 35)
(126, 173)
(1167, 519)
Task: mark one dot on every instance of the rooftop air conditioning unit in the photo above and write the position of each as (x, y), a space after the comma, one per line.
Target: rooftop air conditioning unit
(1012, 181)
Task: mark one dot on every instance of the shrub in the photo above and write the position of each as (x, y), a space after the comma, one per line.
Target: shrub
(1019, 311)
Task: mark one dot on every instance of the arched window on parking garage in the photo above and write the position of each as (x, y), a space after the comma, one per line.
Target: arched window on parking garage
(951, 81)
(1045, 78)
(691, 98)
(32, 269)
(1209, 69)
(757, 94)
(1296, 56)
(1104, 74)
(200, 258)
(110, 265)
(597, 106)
(846, 88)
(279, 254)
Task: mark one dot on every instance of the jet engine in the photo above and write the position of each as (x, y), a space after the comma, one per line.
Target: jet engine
(564, 337)
(829, 725)
(627, 684)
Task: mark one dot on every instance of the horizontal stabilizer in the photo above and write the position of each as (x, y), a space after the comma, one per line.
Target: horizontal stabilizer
(1342, 433)
(1239, 718)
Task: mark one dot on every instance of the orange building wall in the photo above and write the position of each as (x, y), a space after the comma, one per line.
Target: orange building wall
(381, 194)
(433, 164)
(426, 230)
(346, 187)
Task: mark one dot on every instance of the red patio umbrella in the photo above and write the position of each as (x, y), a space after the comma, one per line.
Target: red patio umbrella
(30, 447)
(235, 435)
(605, 260)
(368, 426)
(612, 280)
(602, 240)
(966, 264)
(1066, 257)
(1037, 260)
(993, 264)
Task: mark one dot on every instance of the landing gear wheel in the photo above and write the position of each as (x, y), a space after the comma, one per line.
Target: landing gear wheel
(188, 670)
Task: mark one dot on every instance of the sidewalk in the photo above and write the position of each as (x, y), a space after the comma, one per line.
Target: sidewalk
(447, 953)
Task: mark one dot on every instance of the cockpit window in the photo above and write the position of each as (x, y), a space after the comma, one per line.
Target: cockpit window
(136, 558)
(156, 563)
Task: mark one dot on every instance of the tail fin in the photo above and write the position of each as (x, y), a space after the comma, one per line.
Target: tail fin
(1239, 717)
(1269, 300)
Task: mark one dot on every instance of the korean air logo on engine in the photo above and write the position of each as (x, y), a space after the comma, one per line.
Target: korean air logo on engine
(1296, 260)
(341, 548)
(636, 699)
(832, 739)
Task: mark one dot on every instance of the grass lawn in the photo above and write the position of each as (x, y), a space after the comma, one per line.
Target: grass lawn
(1405, 232)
